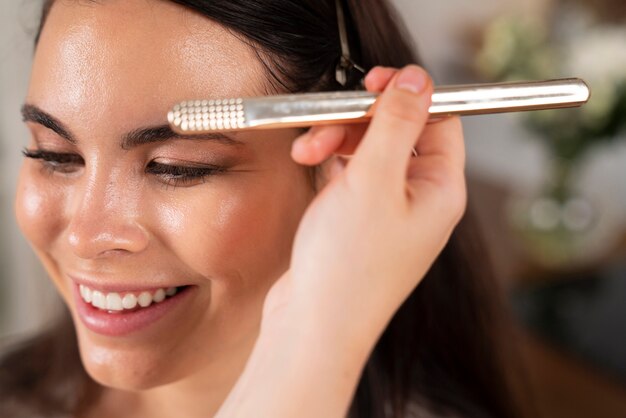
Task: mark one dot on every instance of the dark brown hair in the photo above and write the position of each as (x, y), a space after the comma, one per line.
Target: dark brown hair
(446, 349)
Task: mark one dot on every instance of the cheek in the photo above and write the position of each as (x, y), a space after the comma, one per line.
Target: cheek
(240, 231)
(38, 208)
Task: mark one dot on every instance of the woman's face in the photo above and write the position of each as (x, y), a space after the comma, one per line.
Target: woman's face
(113, 201)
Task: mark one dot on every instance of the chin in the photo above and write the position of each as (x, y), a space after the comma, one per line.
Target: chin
(129, 369)
(145, 347)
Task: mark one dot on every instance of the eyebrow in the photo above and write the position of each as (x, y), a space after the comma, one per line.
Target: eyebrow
(141, 136)
(32, 113)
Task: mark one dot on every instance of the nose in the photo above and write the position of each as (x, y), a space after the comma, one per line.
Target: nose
(105, 220)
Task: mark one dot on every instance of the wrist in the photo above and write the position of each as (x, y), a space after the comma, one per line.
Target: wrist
(320, 366)
(340, 339)
(299, 368)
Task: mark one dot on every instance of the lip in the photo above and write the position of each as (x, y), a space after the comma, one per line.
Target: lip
(124, 323)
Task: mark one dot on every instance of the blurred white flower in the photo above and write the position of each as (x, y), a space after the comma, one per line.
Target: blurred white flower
(517, 48)
(598, 55)
(514, 48)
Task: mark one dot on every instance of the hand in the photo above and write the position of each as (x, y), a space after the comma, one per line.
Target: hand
(362, 246)
(371, 234)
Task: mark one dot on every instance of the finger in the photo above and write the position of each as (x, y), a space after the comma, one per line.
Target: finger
(321, 142)
(378, 78)
(444, 138)
(438, 185)
(316, 145)
(436, 179)
(398, 121)
(437, 191)
(441, 161)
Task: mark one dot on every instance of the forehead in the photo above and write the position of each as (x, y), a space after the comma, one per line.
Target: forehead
(135, 58)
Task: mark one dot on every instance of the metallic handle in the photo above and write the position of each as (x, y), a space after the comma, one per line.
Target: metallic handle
(301, 110)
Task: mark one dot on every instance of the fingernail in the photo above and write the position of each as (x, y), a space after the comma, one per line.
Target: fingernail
(412, 79)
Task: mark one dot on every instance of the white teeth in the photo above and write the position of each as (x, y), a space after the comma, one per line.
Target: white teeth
(115, 302)
(144, 299)
(159, 296)
(98, 299)
(129, 301)
(87, 295)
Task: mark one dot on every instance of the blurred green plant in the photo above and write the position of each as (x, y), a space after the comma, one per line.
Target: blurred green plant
(560, 227)
(517, 48)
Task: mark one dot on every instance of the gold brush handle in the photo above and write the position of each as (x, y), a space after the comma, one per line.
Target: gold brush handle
(302, 110)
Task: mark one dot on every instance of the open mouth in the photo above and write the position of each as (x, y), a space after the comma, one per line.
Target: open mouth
(121, 302)
(121, 313)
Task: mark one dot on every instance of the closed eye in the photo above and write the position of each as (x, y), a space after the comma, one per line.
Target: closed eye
(171, 175)
(180, 175)
(55, 161)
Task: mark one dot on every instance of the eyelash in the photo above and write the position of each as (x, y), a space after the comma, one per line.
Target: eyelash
(54, 161)
(171, 175)
(175, 175)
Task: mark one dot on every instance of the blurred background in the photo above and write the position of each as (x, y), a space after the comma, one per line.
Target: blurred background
(549, 187)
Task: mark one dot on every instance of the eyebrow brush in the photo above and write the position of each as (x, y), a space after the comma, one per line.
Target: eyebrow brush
(303, 110)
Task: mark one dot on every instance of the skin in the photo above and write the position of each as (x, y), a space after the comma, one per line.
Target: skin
(265, 254)
(110, 222)
(361, 248)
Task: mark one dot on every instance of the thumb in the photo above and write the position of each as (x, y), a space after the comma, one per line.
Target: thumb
(399, 119)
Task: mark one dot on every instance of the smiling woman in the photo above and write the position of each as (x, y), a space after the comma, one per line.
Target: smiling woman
(179, 256)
